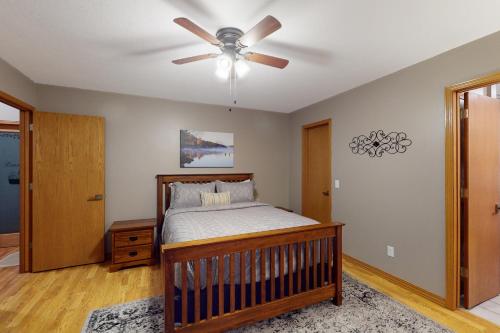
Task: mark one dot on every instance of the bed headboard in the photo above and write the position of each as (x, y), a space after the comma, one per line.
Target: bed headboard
(163, 190)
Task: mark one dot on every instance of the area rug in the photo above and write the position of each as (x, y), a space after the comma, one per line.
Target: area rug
(364, 310)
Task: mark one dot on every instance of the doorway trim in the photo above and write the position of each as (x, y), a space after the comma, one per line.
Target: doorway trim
(305, 167)
(25, 172)
(9, 126)
(452, 182)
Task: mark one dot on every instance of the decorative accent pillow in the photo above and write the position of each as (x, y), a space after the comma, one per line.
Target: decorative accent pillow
(188, 195)
(215, 199)
(240, 192)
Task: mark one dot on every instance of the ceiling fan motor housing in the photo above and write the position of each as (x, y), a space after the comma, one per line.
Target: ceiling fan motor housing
(229, 37)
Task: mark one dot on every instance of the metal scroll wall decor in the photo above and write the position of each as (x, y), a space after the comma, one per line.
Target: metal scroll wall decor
(378, 142)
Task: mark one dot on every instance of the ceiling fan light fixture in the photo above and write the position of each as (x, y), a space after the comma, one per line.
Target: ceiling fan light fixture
(222, 73)
(241, 68)
(224, 64)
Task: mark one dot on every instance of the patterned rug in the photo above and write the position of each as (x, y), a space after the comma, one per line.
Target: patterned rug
(364, 310)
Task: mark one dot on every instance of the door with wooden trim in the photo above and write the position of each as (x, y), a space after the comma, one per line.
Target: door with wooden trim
(68, 189)
(481, 198)
(316, 171)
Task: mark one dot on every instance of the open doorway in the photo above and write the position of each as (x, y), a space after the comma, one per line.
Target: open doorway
(9, 185)
(480, 201)
(20, 173)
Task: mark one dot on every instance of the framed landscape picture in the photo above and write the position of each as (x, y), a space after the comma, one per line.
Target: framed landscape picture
(199, 149)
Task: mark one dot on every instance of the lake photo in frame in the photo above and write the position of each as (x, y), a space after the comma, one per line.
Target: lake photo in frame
(200, 149)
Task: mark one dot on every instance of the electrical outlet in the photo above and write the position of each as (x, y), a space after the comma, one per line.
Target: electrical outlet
(390, 251)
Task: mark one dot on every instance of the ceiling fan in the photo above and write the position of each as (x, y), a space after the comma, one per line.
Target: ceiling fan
(232, 42)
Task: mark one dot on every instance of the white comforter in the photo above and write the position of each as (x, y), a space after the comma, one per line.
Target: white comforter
(186, 224)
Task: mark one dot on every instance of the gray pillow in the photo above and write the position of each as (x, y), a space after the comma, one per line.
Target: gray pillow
(239, 192)
(188, 195)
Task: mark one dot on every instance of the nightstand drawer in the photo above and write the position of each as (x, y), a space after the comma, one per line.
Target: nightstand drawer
(132, 253)
(129, 238)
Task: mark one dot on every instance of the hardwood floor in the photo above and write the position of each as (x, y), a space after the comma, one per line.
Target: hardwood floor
(60, 300)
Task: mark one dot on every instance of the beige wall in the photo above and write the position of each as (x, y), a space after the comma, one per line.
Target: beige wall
(397, 199)
(14, 83)
(142, 140)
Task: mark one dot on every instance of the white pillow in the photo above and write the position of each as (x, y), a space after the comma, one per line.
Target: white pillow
(215, 199)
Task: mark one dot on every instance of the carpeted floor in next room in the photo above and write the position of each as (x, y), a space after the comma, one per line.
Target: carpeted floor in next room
(9, 256)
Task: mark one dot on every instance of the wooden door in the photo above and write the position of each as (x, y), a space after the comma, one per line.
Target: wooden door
(68, 189)
(316, 171)
(481, 199)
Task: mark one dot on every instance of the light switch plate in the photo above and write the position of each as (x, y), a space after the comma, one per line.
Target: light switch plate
(337, 183)
(390, 251)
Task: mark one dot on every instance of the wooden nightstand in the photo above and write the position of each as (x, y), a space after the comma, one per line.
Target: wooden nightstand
(132, 243)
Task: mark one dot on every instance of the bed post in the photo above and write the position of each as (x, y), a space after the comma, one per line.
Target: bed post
(168, 280)
(338, 265)
(159, 211)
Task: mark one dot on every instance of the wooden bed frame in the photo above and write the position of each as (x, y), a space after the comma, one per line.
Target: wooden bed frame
(250, 301)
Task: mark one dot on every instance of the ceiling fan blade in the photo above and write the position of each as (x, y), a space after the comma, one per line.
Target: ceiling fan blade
(197, 30)
(266, 60)
(261, 30)
(195, 58)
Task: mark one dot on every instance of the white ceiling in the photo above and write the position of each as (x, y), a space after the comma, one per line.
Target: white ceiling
(126, 46)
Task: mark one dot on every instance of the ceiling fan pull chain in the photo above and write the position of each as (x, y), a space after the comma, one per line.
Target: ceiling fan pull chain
(235, 87)
(230, 83)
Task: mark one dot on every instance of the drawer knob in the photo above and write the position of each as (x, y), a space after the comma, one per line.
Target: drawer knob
(132, 254)
(133, 238)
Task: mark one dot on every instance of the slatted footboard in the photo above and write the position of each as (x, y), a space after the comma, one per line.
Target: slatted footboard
(307, 270)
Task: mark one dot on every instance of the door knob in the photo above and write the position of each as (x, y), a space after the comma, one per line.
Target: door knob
(497, 208)
(326, 193)
(97, 197)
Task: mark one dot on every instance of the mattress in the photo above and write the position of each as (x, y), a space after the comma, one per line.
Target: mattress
(187, 224)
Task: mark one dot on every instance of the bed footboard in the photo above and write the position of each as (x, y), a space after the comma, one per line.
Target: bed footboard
(308, 270)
